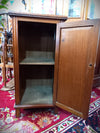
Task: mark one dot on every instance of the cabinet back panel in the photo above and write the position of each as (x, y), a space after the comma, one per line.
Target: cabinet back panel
(38, 92)
(35, 37)
(29, 73)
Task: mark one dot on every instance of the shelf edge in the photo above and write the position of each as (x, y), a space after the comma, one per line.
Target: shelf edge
(33, 106)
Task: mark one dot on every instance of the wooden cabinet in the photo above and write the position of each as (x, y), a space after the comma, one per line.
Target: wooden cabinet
(53, 62)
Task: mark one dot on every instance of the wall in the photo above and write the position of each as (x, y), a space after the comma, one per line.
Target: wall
(94, 9)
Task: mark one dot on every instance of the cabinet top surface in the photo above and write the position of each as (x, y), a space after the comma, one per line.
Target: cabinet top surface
(31, 15)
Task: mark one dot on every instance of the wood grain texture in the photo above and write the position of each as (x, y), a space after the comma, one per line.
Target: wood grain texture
(16, 60)
(55, 86)
(75, 75)
(31, 15)
(67, 108)
(52, 21)
(19, 106)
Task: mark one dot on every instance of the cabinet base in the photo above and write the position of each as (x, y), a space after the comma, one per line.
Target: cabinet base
(18, 107)
(33, 106)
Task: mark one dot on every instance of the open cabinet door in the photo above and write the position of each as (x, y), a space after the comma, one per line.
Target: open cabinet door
(76, 45)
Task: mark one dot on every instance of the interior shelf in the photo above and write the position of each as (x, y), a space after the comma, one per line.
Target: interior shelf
(38, 91)
(38, 58)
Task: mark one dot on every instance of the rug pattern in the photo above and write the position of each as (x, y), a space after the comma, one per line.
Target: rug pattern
(74, 124)
(44, 120)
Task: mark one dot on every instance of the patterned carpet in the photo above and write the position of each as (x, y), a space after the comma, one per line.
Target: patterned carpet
(44, 120)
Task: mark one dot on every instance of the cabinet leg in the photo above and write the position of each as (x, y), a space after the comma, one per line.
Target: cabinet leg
(17, 112)
(4, 75)
(55, 110)
(10, 73)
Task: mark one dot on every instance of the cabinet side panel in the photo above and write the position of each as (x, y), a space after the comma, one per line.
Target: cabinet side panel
(96, 81)
(16, 59)
(56, 64)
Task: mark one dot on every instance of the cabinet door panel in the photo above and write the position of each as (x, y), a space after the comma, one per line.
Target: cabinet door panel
(77, 53)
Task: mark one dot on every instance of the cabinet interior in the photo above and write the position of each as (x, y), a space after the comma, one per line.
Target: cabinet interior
(36, 84)
(36, 62)
(36, 43)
